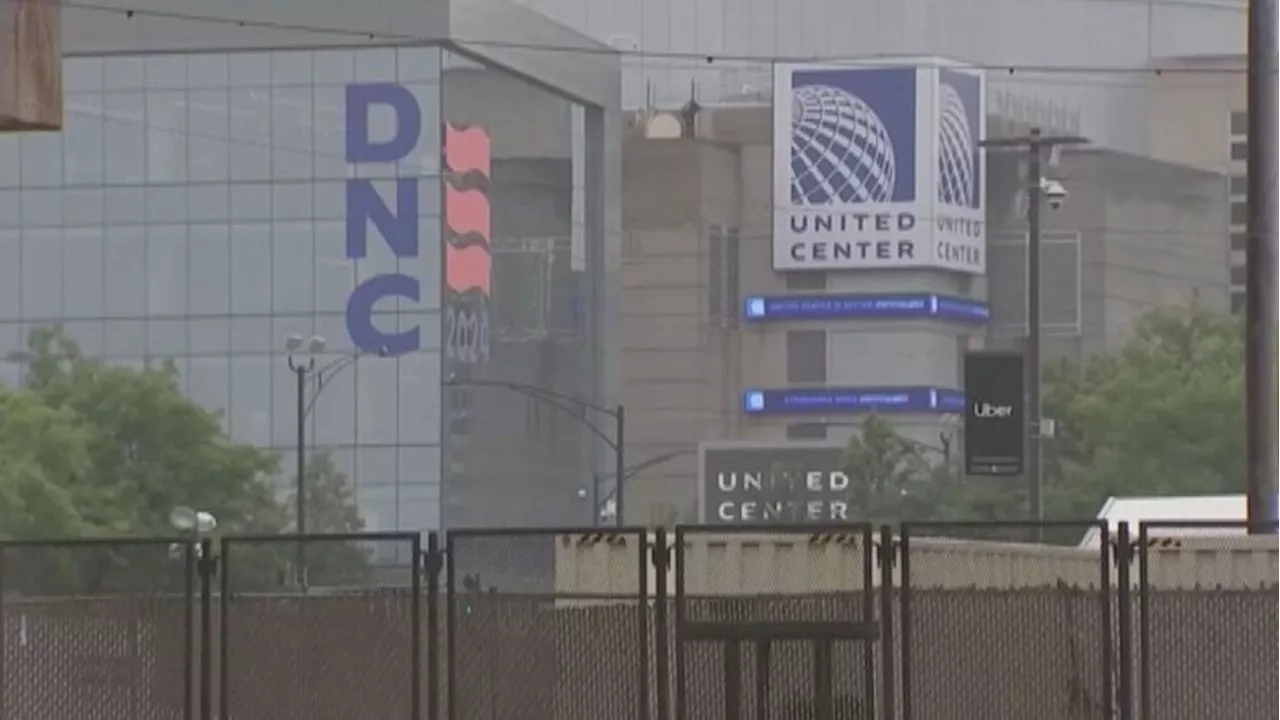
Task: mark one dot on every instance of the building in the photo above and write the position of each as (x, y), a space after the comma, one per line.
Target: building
(1206, 99)
(710, 325)
(228, 181)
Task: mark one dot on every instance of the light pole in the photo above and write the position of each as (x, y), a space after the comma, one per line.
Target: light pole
(1036, 186)
(568, 404)
(1260, 268)
(302, 362)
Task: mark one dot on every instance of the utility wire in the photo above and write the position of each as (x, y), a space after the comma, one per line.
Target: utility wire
(702, 57)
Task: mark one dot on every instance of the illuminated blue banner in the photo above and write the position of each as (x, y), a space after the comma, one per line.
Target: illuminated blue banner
(853, 400)
(844, 307)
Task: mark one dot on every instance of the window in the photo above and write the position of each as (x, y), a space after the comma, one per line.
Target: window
(805, 280)
(1238, 278)
(807, 431)
(1239, 123)
(1239, 184)
(1239, 241)
(1239, 213)
(1237, 303)
(807, 356)
(1239, 150)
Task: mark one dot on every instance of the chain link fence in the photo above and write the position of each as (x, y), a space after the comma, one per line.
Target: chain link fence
(1207, 625)
(320, 628)
(547, 624)
(99, 630)
(1160, 621)
(1028, 635)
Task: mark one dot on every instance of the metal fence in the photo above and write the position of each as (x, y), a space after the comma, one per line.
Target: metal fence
(831, 623)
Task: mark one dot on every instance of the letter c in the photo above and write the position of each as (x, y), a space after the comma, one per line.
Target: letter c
(366, 336)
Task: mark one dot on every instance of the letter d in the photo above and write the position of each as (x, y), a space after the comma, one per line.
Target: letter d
(408, 125)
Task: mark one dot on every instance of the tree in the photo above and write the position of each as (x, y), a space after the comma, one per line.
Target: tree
(149, 447)
(89, 449)
(1163, 416)
(889, 476)
(43, 463)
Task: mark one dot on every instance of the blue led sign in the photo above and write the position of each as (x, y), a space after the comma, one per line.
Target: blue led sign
(865, 306)
(853, 400)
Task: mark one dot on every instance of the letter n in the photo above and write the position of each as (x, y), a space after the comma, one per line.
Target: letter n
(399, 229)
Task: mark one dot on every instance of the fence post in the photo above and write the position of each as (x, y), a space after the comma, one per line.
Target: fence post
(433, 563)
(208, 567)
(1124, 555)
(904, 618)
(451, 634)
(661, 646)
(4, 714)
(887, 554)
(415, 628)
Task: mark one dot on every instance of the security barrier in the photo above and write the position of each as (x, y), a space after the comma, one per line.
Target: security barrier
(919, 621)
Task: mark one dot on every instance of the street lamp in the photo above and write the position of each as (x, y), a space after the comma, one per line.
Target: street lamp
(192, 523)
(302, 361)
(568, 404)
(301, 369)
(1037, 188)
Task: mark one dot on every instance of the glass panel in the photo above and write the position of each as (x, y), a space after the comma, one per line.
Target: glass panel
(291, 135)
(419, 388)
(166, 128)
(251, 399)
(209, 282)
(10, 274)
(167, 269)
(250, 134)
(42, 265)
(83, 138)
(125, 138)
(250, 268)
(208, 383)
(83, 264)
(377, 402)
(291, 267)
(126, 282)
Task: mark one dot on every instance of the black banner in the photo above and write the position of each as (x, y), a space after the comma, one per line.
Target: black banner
(778, 483)
(994, 409)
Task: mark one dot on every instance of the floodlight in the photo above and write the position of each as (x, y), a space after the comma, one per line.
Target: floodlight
(292, 342)
(206, 522)
(183, 518)
(316, 344)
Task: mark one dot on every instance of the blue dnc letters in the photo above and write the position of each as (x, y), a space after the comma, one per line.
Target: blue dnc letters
(365, 208)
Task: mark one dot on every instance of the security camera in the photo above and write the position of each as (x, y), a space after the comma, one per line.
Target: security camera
(1054, 192)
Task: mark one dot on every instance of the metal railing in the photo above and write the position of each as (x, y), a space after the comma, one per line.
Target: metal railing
(832, 622)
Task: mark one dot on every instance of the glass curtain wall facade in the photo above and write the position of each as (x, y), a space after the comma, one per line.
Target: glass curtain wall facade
(194, 209)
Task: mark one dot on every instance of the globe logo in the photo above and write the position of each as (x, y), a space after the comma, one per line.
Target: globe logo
(956, 172)
(840, 149)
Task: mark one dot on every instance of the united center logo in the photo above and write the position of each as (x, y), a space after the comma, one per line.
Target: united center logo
(959, 163)
(852, 136)
(878, 166)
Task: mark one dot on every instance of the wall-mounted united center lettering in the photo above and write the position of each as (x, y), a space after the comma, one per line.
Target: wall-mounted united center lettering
(779, 483)
(393, 214)
(468, 267)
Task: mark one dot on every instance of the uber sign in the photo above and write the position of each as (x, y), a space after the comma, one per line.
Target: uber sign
(993, 419)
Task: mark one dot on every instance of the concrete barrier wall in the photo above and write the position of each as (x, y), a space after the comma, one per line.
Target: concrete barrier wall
(782, 564)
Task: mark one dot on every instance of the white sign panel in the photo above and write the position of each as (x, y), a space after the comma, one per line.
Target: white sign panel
(878, 167)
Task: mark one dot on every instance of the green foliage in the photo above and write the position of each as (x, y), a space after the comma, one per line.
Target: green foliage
(89, 449)
(1162, 416)
(889, 476)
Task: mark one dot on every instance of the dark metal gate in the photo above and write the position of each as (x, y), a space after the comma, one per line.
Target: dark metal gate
(776, 639)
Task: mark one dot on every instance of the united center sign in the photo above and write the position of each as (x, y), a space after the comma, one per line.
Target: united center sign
(772, 483)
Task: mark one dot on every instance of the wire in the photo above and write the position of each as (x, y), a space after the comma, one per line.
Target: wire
(703, 57)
